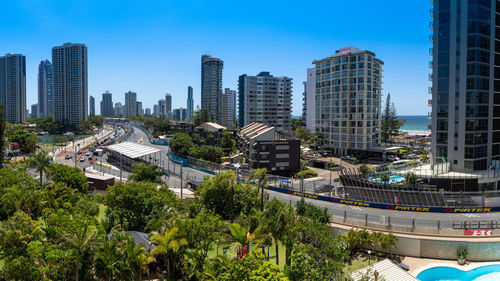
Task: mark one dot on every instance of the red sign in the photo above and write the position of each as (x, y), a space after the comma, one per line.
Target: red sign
(479, 232)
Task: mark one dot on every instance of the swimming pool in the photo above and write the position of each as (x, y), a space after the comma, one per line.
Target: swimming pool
(393, 179)
(444, 273)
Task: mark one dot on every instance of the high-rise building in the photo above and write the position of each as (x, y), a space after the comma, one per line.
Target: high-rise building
(349, 85)
(119, 109)
(162, 108)
(45, 88)
(130, 104)
(139, 110)
(183, 114)
(92, 105)
(107, 104)
(147, 111)
(34, 110)
(168, 105)
(266, 99)
(227, 108)
(190, 103)
(13, 87)
(176, 114)
(70, 83)
(211, 84)
(309, 100)
(465, 86)
(155, 110)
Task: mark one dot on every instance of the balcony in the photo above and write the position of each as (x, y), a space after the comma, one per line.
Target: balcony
(431, 38)
(430, 77)
(431, 11)
(431, 51)
(430, 64)
(429, 102)
(430, 90)
(431, 25)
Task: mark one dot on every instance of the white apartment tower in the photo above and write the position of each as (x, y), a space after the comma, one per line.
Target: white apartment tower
(13, 87)
(70, 83)
(130, 103)
(266, 99)
(309, 100)
(348, 93)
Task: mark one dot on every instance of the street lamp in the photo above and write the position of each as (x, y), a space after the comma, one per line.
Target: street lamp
(302, 175)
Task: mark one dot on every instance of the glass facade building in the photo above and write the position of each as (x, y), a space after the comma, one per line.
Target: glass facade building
(466, 84)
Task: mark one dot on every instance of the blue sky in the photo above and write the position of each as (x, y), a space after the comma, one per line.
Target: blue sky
(154, 47)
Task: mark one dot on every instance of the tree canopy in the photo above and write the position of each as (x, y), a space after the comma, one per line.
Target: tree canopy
(27, 141)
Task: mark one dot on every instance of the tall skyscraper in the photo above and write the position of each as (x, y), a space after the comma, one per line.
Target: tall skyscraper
(465, 90)
(183, 114)
(119, 109)
(176, 114)
(228, 108)
(92, 105)
(190, 103)
(162, 108)
(34, 110)
(211, 84)
(266, 99)
(309, 100)
(147, 112)
(130, 104)
(155, 110)
(139, 110)
(45, 88)
(168, 105)
(70, 83)
(13, 87)
(107, 104)
(348, 84)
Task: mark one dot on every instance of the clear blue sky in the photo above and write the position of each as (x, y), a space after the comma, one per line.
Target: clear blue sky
(154, 47)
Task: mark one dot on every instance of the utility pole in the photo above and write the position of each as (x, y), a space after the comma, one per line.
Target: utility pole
(121, 166)
(182, 164)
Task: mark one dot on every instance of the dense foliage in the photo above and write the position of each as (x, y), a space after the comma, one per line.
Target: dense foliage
(51, 231)
(27, 141)
(182, 144)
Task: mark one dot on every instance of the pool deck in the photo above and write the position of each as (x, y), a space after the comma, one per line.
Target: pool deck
(417, 265)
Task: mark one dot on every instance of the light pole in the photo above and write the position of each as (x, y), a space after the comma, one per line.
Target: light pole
(302, 176)
(182, 164)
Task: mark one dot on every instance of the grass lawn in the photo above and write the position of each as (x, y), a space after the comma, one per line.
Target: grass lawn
(102, 212)
(359, 262)
(272, 253)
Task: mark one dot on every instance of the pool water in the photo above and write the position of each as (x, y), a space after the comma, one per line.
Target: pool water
(443, 273)
(393, 179)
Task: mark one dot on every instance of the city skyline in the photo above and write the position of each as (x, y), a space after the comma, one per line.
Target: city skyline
(404, 48)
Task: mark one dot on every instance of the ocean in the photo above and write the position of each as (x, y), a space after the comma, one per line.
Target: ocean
(415, 123)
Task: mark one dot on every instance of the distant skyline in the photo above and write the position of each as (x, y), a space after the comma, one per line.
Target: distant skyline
(154, 47)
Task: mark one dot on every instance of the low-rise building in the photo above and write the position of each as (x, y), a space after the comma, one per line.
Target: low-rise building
(263, 146)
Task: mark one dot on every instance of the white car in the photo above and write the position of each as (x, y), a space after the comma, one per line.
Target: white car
(82, 159)
(87, 153)
(392, 158)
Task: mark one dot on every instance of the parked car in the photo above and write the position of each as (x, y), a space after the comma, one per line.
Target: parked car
(87, 153)
(346, 157)
(412, 156)
(392, 158)
(82, 159)
(79, 151)
(68, 156)
(324, 188)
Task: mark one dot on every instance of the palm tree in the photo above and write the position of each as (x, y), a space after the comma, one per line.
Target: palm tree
(40, 161)
(81, 241)
(411, 179)
(276, 220)
(169, 245)
(108, 264)
(134, 256)
(260, 176)
(243, 236)
(148, 173)
(385, 178)
(364, 170)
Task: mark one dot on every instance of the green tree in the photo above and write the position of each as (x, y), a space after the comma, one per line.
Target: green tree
(390, 124)
(207, 152)
(411, 179)
(96, 120)
(260, 176)
(309, 263)
(170, 246)
(276, 220)
(181, 144)
(40, 161)
(71, 176)
(16, 233)
(422, 142)
(81, 241)
(146, 172)
(364, 170)
(312, 212)
(134, 204)
(385, 178)
(251, 267)
(226, 197)
(27, 141)
(228, 143)
(85, 126)
(201, 116)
